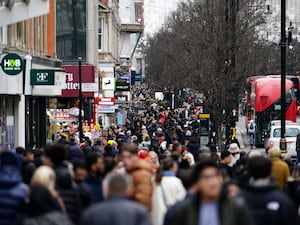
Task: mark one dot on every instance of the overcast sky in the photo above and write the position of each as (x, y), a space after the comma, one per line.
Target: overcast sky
(156, 13)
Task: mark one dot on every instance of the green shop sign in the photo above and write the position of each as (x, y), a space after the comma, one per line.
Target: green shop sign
(42, 77)
(12, 64)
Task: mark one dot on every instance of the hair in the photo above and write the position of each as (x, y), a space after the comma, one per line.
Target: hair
(176, 146)
(131, 148)
(20, 150)
(166, 164)
(117, 183)
(225, 154)
(91, 159)
(57, 153)
(28, 150)
(259, 167)
(45, 176)
(110, 164)
(202, 165)
(79, 164)
(186, 177)
(153, 153)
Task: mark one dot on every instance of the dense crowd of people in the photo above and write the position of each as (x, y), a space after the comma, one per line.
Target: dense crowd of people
(152, 170)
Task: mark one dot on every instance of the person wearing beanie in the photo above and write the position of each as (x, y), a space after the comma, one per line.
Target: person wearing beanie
(12, 191)
(280, 170)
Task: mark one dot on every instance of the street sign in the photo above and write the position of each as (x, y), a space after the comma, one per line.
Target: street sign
(204, 116)
(90, 87)
(122, 85)
(105, 101)
(12, 64)
(108, 84)
(106, 109)
(42, 77)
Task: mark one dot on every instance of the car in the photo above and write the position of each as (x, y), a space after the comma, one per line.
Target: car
(274, 135)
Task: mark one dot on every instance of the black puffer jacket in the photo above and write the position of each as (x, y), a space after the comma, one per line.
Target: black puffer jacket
(271, 206)
(293, 190)
(69, 193)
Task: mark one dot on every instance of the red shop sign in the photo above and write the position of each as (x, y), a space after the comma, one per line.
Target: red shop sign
(105, 101)
(71, 89)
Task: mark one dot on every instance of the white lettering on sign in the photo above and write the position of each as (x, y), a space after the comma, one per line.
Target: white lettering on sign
(42, 77)
(70, 85)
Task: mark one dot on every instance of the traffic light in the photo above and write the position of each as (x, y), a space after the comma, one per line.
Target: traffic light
(223, 112)
(88, 110)
(290, 34)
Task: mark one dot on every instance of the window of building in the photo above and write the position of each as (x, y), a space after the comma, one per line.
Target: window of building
(100, 33)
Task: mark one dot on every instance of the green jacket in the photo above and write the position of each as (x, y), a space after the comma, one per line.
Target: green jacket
(232, 212)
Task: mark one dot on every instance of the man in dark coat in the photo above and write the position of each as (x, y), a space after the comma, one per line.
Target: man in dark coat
(12, 191)
(267, 203)
(118, 209)
(55, 156)
(209, 205)
(95, 167)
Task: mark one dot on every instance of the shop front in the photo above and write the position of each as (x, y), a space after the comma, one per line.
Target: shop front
(63, 111)
(11, 100)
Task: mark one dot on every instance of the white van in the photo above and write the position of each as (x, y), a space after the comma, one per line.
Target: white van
(291, 131)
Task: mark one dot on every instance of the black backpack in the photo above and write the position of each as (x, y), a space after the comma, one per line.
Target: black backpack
(251, 126)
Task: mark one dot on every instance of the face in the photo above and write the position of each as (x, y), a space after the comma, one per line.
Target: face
(98, 166)
(30, 156)
(128, 159)
(210, 183)
(80, 174)
(223, 137)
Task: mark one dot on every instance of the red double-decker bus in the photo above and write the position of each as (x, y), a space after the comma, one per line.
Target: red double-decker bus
(266, 104)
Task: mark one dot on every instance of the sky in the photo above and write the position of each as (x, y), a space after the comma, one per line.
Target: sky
(156, 12)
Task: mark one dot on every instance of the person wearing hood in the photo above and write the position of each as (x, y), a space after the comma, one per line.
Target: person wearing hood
(280, 169)
(141, 173)
(42, 209)
(267, 203)
(13, 191)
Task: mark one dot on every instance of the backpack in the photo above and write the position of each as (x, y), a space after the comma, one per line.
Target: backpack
(251, 126)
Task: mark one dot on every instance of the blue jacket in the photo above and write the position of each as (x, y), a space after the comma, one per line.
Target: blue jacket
(12, 194)
(95, 185)
(117, 210)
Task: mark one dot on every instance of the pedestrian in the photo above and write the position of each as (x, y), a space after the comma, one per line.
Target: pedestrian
(292, 187)
(234, 150)
(225, 163)
(298, 148)
(222, 143)
(267, 203)
(168, 190)
(251, 131)
(210, 205)
(55, 157)
(80, 173)
(118, 209)
(28, 165)
(141, 173)
(13, 191)
(280, 170)
(45, 176)
(95, 168)
(42, 209)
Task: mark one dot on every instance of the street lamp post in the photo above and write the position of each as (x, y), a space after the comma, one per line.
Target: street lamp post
(80, 99)
(283, 75)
